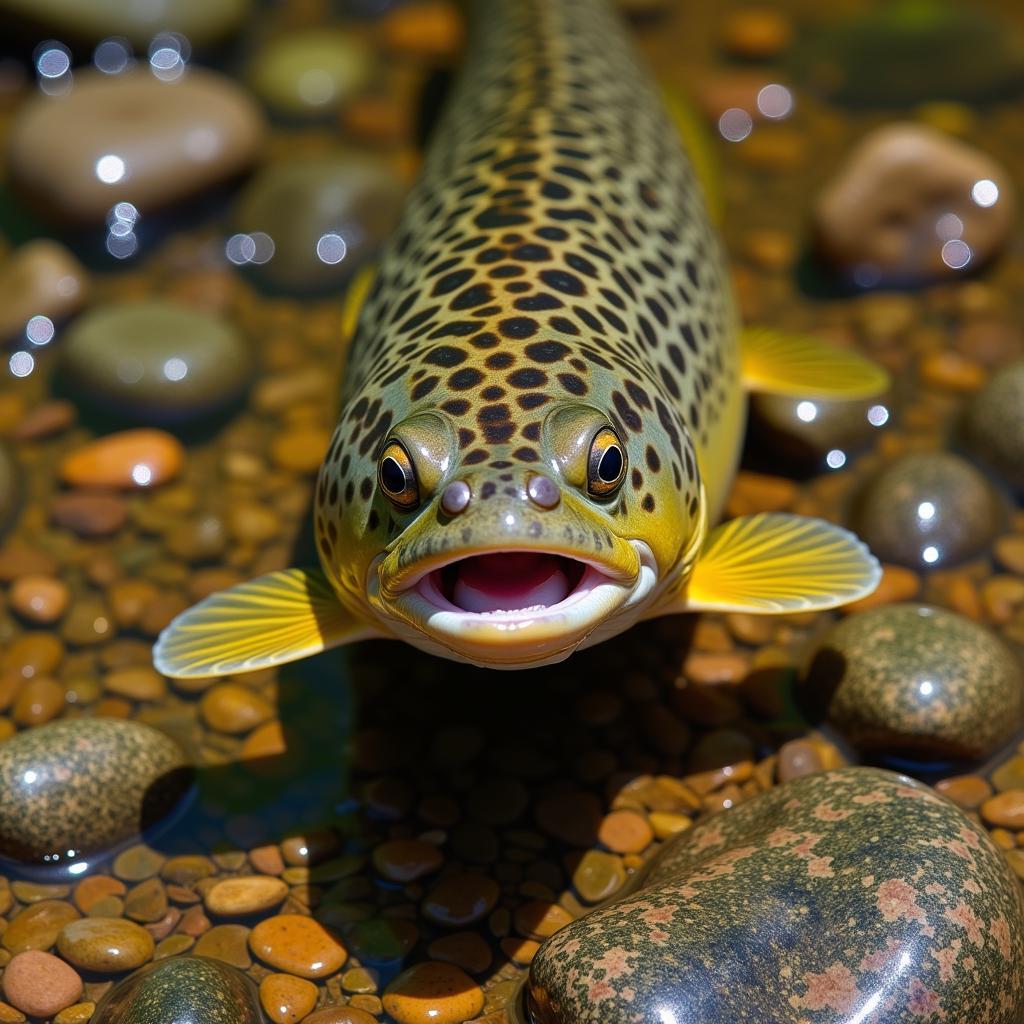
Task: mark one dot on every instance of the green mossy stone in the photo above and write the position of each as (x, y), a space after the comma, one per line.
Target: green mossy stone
(154, 363)
(85, 784)
(915, 681)
(844, 893)
(995, 424)
(182, 990)
(928, 511)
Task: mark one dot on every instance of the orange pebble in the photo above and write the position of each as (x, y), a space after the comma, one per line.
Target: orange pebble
(132, 458)
(429, 29)
(625, 832)
(950, 371)
(758, 492)
(433, 993)
(897, 584)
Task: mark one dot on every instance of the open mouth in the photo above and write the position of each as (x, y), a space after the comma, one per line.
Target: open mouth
(508, 582)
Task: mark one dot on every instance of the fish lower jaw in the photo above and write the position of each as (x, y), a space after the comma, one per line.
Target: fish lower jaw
(575, 602)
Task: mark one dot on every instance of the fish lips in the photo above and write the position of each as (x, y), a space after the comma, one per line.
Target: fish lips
(606, 596)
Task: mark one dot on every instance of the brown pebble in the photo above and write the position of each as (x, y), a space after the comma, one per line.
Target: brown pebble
(464, 949)
(756, 33)
(129, 459)
(300, 449)
(107, 945)
(146, 902)
(1005, 809)
(40, 700)
(137, 863)
(40, 984)
(519, 951)
(287, 999)
(227, 942)
(1009, 552)
(540, 919)
(233, 708)
(250, 894)
(949, 371)
(598, 875)
(405, 860)
(431, 29)
(966, 791)
(37, 926)
(39, 599)
(44, 421)
(91, 890)
(625, 832)
(433, 993)
(298, 945)
(340, 1015)
(797, 758)
(18, 559)
(460, 900)
(267, 860)
(80, 1013)
(89, 514)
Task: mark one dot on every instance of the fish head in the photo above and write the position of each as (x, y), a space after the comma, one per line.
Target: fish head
(549, 536)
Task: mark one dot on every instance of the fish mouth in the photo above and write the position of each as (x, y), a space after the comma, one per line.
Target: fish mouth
(516, 607)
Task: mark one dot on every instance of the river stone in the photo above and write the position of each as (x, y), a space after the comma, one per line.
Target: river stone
(995, 424)
(40, 278)
(310, 71)
(854, 894)
(173, 140)
(201, 21)
(85, 784)
(303, 204)
(915, 681)
(928, 510)
(10, 488)
(182, 990)
(155, 363)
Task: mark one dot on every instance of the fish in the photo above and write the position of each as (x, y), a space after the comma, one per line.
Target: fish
(544, 395)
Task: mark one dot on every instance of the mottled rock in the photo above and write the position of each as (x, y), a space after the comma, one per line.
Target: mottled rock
(132, 138)
(181, 990)
(916, 681)
(846, 889)
(912, 204)
(154, 363)
(928, 511)
(994, 423)
(310, 71)
(41, 278)
(324, 216)
(85, 784)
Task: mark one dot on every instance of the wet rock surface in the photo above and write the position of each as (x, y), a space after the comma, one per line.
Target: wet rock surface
(85, 785)
(916, 681)
(906, 921)
(994, 424)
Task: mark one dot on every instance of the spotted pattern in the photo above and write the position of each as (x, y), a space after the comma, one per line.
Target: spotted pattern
(554, 252)
(923, 917)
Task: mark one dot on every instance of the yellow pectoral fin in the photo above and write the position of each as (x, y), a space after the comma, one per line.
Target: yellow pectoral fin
(699, 148)
(277, 618)
(781, 363)
(774, 563)
(355, 297)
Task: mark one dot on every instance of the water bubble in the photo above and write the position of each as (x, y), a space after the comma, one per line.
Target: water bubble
(39, 330)
(806, 411)
(112, 56)
(985, 192)
(21, 364)
(122, 247)
(878, 415)
(735, 124)
(168, 54)
(930, 554)
(175, 369)
(142, 474)
(775, 101)
(53, 60)
(835, 459)
(949, 226)
(110, 168)
(956, 254)
(331, 248)
(926, 510)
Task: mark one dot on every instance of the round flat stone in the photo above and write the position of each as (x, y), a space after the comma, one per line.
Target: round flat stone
(598, 875)
(38, 925)
(182, 990)
(297, 945)
(129, 459)
(85, 784)
(916, 681)
(886, 887)
(41, 278)
(250, 894)
(323, 217)
(40, 984)
(154, 363)
(132, 138)
(433, 993)
(287, 999)
(227, 942)
(460, 900)
(107, 945)
(928, 511)
(405, 860)
(994, 424)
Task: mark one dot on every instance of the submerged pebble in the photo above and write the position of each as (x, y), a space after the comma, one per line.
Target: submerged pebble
(928, 511)
(995, 424)
(132, 138)
(40, 279)
(916, 681)
(154, 363)
(129, 459)
(904, 886)
(324, 217)
(40, 984)
(106, 945)
(181, 990)
(433, 993)
(911, 204)
(85, 785)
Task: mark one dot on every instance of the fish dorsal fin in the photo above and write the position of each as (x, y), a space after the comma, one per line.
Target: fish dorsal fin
(355, 297)
(782, 363)
(775, 562)
(277, 618)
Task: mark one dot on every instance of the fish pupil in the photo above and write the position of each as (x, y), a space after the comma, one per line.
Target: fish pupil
(610, 466)
(392, 476)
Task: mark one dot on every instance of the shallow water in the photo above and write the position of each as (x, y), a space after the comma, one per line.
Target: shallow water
(511, 776)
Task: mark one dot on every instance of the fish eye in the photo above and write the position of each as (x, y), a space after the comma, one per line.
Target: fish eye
(397, 477)
(606, 467)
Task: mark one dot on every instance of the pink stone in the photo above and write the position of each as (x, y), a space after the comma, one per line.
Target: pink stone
(40, 984)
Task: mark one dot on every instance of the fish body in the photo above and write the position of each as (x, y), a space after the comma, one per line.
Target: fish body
(543, 401)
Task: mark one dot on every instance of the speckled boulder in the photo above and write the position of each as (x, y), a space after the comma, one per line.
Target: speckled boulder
(928, 510)
(182, 990)
(850, 895)
(87, 785)
(916, 681)
(995, 424)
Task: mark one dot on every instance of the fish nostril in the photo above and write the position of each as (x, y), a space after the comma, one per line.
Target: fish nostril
(455, 497)
(543, 491)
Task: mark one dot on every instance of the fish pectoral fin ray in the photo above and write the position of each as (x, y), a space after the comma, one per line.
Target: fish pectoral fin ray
(773, 563)
(784, 363)
(271, 620)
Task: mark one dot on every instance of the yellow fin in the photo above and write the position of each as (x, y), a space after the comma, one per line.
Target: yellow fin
(781, 363)
(352, 305)
(697, 142)
(277, 618)
(775, 562)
